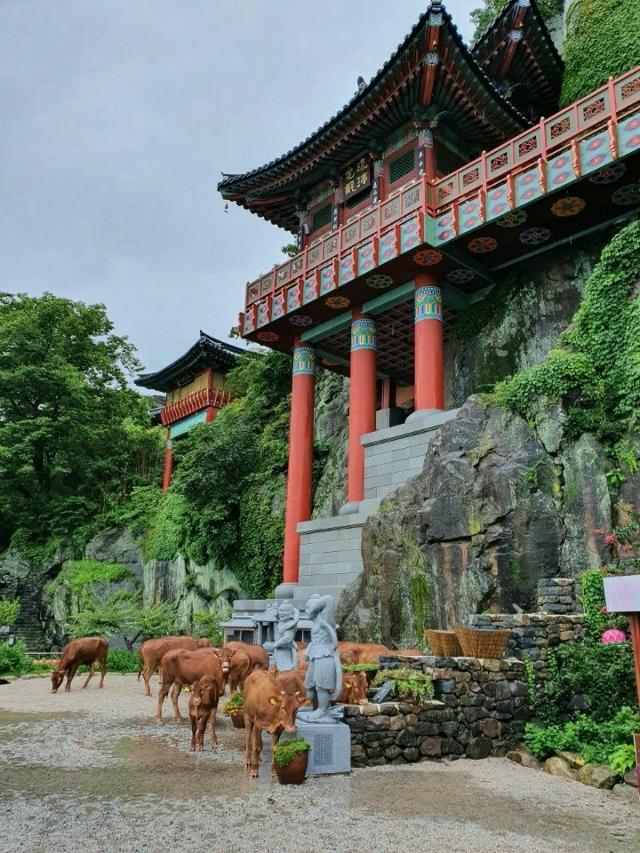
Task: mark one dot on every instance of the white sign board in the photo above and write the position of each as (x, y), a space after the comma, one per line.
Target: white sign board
(622, 594)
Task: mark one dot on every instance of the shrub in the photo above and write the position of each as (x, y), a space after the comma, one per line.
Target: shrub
(9, 611)
(360, 667)
(119, 660)
(14, 659)
(407, 683)
(207, 625)
(235, 703)
(287, 750)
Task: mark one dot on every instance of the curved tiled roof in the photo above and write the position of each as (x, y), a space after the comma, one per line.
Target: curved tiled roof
(490, 117)
(206, 352)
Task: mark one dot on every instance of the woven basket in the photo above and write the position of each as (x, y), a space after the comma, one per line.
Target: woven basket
(443, 643)
(482, 644)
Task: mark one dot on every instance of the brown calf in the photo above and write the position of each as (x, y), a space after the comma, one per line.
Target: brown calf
(256, 654)
(152, 651)
(181, 667)
(270, 704)
(354, 689)
(203, 706)
(236, 666)
(84, 650)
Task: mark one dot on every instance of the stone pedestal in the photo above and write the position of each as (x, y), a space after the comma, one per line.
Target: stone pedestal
(330, 747)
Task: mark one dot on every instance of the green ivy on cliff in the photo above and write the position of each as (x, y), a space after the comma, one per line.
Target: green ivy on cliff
(603, 40)
(596, 367)
(484, 16)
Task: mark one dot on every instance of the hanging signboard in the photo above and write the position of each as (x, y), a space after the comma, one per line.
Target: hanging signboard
(357, 177)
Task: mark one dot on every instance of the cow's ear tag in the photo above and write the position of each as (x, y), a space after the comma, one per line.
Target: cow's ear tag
(273, 700)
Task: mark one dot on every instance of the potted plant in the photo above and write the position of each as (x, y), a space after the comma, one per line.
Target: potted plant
(234, 709)
(290, 760)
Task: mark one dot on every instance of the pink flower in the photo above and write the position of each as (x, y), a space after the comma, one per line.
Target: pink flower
(610, 539)
(626, 549)
(614, 635)
(603, 611)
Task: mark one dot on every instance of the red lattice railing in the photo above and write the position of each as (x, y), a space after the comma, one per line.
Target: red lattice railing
(206, 397)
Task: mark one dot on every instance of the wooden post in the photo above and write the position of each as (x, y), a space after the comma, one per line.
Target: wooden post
(362, 398)
(428, 344)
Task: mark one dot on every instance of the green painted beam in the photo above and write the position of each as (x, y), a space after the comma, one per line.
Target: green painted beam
(329, 327)
(389, 299)
(338, 359)
(454, 298)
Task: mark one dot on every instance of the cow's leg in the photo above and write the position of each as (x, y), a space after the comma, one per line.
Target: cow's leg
(146, 676)
(248, 740)
(70, 675)
(88, 678)
(103, 671)
(175, 694)
(162, 695)
(202, 725)
(257, 749)
(275, 738)
(214, 736)
(193, 732)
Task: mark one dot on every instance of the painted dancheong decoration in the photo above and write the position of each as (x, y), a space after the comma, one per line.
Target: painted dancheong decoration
(450, 165)
(194, 388)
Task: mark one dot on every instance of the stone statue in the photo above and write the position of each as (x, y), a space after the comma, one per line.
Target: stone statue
(284, 647)
(324, 676)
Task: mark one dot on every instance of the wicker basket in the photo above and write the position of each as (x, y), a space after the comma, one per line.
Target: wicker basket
(482, 644)
(443, 643)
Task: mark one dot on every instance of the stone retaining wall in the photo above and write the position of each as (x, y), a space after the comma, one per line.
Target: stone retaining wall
(479, 709)
(558, 595)
(533, 634)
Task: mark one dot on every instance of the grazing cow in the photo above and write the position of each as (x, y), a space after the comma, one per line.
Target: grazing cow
(362, 652)
(203, 705)
(354, 689)
(236, 666)
(270, 706)
(180, 667)
(152, 651)
(84, 650)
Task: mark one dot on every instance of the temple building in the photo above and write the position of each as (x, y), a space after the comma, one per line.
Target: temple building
(194, 388)
(449, 166)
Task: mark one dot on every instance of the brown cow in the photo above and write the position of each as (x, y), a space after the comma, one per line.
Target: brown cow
(180, 667)
(354, 689)
(84, 650)
(268, 705)
(152, 651)
(203, 705)
(257, 655)
(236, 666)
(362, 652)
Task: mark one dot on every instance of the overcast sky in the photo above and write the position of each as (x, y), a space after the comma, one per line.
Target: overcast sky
(117, 117)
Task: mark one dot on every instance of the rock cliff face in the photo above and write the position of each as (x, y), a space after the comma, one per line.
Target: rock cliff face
(500, 503)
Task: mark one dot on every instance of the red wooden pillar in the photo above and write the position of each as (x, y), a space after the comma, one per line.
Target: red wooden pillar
(168, 464)
(300, 473)
(428, 344)
(362, 398)
(210, 414)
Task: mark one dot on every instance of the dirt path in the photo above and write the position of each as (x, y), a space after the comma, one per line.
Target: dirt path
(91, 771)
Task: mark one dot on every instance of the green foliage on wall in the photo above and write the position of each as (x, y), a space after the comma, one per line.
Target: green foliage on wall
(9, 611)
(596, 367)
(78, 575)
(603, 40)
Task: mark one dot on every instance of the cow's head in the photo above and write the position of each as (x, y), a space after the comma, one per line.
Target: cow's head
(204, 643)
(285, 707)
(225, 656)
(203, 691)
(57, 677)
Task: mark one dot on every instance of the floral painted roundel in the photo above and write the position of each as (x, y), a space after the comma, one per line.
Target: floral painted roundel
(301, 320)
(630, 194)
(512, 220)
(609, 174)
(534, 236)
(268, 337)
(337, 301)
(427, 257)
(380, 281)
(459, 276)
(482, 245)
(570, 206)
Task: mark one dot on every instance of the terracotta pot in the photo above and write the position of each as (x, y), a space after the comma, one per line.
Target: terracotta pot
(294, 772)
(237, 718)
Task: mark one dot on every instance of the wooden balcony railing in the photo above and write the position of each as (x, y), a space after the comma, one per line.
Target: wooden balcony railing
(336, 256)
(206, 397)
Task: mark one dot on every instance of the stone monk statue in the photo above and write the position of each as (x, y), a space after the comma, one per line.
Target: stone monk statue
(324, 676)
(284, 647)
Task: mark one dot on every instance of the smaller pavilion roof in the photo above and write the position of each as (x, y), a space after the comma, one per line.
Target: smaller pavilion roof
(206, 352)
(517, 53)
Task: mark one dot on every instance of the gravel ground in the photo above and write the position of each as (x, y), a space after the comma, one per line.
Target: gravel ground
(91, 771)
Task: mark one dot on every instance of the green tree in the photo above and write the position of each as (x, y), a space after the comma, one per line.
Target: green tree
(121, 614)
(74, 439)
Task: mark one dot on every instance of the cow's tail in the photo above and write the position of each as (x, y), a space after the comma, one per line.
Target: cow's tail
(140, 665)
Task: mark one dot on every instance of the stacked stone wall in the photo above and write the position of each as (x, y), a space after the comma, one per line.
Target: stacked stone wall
(479, 709)
(558, 595)
(533, 634)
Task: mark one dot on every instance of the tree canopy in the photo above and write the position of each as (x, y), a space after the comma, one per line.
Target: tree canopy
(74, 439)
